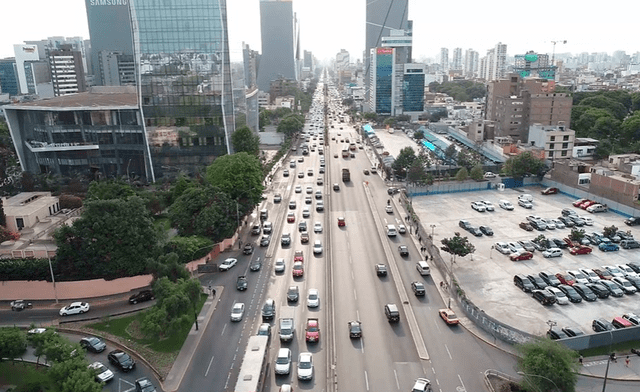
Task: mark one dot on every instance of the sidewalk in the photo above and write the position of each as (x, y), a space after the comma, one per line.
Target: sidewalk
(592, 366)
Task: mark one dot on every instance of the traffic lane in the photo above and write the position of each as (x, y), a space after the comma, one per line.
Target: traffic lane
(216, 366)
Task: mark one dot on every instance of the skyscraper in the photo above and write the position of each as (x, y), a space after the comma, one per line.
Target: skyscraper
(382, 17)
(456, 64)
(279, 42)
(444, 59)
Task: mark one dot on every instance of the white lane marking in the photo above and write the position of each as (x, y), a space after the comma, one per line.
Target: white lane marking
(354, 295)
(208, 367)
(448, 352)
(223, 328)
(463, 387)
(366, 379)
(396, 376)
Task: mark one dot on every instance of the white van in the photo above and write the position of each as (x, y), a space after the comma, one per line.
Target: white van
(423, 268)
(391, 231)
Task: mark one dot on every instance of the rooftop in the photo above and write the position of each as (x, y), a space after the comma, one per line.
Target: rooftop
(114, 97)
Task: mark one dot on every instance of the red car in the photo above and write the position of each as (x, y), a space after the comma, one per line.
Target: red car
(521, 256)
(341, 222)
(603, 273)
(578, 202)
(580, 250)
(550, 191)
(298, 269)
(291, 217)
(565, 279)
(312, 331)
(298, 256)
(587, 204)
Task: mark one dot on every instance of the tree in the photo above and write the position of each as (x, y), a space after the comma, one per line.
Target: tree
(265, 119)
(41, 340)
(404, 160)
(576, 235)
(462, 174)
(13, 343)
(112, 239)
(548, 365)
(238, 175)
(109, 189)
(244, 140)
(169, 266)
(468, 159)
(609, 231)
(457, 246)
(189, 248)
(419, 134)
(450, 152)
(291, 124)
(416, 173)
(477, 173)
(522, 164)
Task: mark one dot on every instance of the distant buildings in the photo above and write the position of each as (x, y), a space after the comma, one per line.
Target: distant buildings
(67, 71)
(493, 65)
(279, 32)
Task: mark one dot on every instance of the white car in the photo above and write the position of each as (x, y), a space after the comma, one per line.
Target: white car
(103, 374)
(550, 224)
(560, 296)
(298, 189)
(423, 384)
(591, 276)
(478, 206)
(279, 265)
(525, 203)
(626, 270)
(503, 248)
(505, 205)
(283, 361)
(488, 205)
(587, 221)
(75, 308)
(317, 247)
(305, 366)
(615, 271)
(402, 229)
(313, 298)
(237, 312)
(515, 247)
(552, 252)
(389, 209)
(625, 285)
(489, 175)
(558, 223)
(579, 277)
(317, 227)
(228, 264)
(305, 212)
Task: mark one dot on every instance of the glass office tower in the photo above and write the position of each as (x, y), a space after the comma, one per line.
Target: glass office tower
(182, 60)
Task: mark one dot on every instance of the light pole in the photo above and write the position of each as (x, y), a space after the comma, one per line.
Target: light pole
(53, 279)
(433, 227)
(537, 375)
(611, 355)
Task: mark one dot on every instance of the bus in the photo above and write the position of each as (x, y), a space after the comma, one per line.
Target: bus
(254, 366)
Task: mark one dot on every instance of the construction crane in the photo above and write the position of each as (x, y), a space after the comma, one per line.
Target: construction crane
(553, 56)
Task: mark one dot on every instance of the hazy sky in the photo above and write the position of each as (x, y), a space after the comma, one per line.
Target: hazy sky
(330, 25)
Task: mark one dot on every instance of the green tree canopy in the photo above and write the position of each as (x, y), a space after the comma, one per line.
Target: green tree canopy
(238, 175)
(112, 239)
(522, 164)
(291, 124)
(244, 140)
(404, 160)
(462, 174)
(109, 189)
(457, 246)
(477, 173)
(548, 364)
(13, 343)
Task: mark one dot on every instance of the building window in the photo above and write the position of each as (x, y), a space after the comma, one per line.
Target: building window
(552, 138)
(565, 145)
(563, 153)
(565, 138)
(551, 146)
(550, 154)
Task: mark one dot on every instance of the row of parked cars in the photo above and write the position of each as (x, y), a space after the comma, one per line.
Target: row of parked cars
(581, 284)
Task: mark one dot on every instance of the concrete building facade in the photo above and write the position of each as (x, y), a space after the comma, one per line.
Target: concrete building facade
(278, 58)
(557, 140)
(67, 70)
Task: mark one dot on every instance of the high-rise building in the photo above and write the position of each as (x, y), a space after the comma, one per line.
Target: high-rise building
(382, 16)
(470, 63)
(33, 70)
(413, 88)
(250, 61)
(444, 59)
(280, 42)
(495, 63)
(9, 77)
(111, 36)
(342, 60)
(456, 64)
(116, 68)
(67, 70)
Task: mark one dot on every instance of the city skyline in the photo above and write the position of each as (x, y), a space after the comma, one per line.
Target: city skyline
(339, 25)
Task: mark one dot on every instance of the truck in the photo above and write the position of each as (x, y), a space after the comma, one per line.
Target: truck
(287, 329)
(597, 208)
(346, 175)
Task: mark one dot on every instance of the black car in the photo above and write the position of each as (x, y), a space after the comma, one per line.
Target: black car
(418, 288)
(93, 344)
(523, 283)
(355, 329)
(144, 385)
(635, 266)
(144, 295)
(568, 212)
(585, 292)
(571, 293)
(255, 264)
(537, 282)
(121, 360)
(486, 230)
(614, 289)
(634, 280)
(559, 243)
(381, 270)
(633, 221)
(20, 304)
(404, 251)
(248, 248)
(598, 289)
(268, 310)
(242, 283)
(549, 278)
(567, 222)
(475, 231)
(545, 297)
(293, 294)
(601, 325)
(556, 334)
(572, 331)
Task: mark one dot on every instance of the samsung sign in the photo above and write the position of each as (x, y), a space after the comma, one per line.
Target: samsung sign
(108, 2)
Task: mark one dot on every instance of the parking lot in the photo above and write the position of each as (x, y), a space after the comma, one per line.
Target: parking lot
(487, 275)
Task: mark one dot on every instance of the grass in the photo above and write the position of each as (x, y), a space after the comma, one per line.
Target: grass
(162, 222)
(128, 328)
(23, 373)
(624, 347)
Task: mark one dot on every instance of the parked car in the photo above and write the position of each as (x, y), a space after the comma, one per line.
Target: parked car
(635, 319)
(633, 221)
(121, 360)
(613, 288)
(601, 325)
(549, 278)
(465, 224)
(523, 283)
(600, 290)
(524, 203)
(552, 252)
(488, 205)
(526, 226)
(527, 245)
(571, 293)
(585, 292)
(93, 344)
(629, 244)
(505, 205)
(561, 297)
(581, 250)
(578, 276)
(592, 277)
(475, 231)
(625, 285)
(537, 282)
(572, 331)
(486, 230)
(520, 256)
(556, 334)
(549, 191)
(545, 297)
(608, 247)
(565, 279)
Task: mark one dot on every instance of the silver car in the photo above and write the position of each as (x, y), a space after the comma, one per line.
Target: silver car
(237, 312)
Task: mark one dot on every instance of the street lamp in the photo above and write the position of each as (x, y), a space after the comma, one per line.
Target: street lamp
(433, 227)
(53, 279)
(537, 375)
